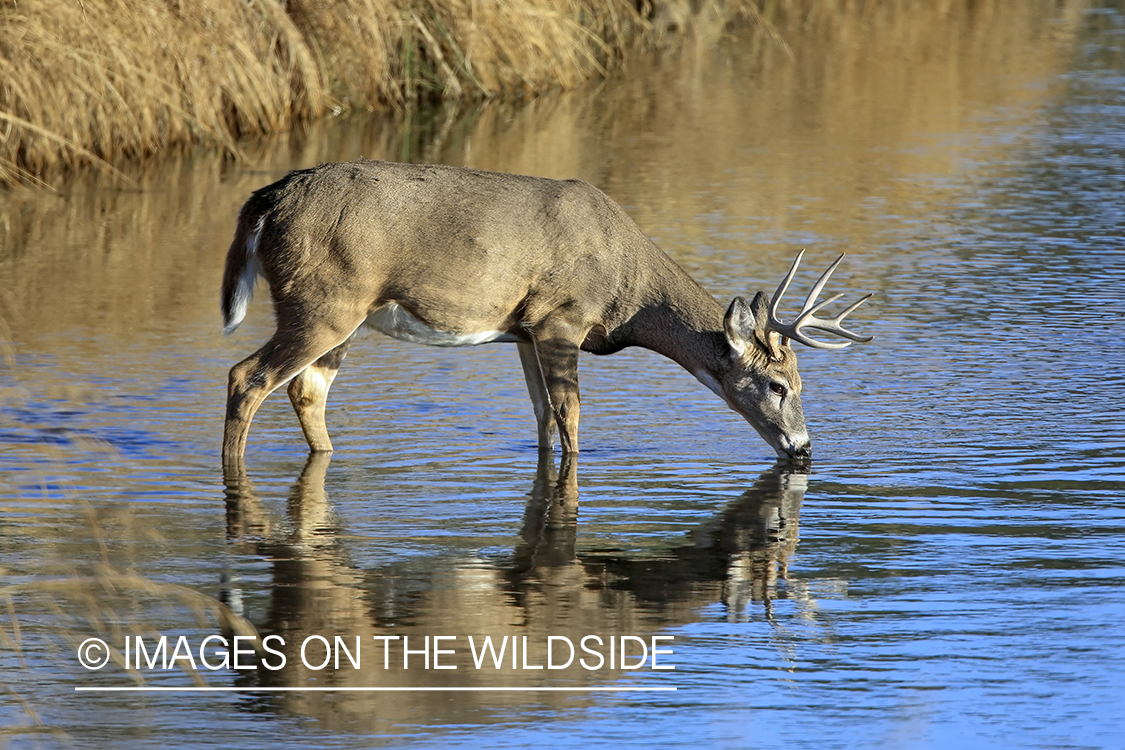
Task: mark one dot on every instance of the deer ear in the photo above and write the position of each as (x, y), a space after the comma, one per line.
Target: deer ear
(760, 309)
(739, 326)
(747, 325)
(769, 341)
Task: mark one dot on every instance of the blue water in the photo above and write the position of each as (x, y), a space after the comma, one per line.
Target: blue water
(948, 574)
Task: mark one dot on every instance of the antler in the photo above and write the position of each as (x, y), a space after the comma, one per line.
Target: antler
(807, 317)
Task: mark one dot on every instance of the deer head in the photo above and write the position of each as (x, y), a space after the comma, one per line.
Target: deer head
(760, 380)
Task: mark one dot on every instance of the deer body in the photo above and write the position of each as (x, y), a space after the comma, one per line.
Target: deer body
(448, 256)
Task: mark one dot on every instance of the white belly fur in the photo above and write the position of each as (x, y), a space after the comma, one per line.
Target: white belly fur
(398, 323)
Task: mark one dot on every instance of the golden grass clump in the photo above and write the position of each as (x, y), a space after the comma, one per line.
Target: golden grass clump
(99, 80)
(487, 46)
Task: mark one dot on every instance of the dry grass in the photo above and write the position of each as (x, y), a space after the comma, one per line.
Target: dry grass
(102, 79)
(375, 51)
(97, 81)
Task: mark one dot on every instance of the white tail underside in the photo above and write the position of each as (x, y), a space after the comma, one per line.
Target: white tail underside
(244, 292)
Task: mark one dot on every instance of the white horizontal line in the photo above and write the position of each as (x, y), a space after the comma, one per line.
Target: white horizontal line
(156, 689)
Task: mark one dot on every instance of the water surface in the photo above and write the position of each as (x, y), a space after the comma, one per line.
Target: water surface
(949, 570)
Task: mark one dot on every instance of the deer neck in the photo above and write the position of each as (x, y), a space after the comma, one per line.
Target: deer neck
(681, 321)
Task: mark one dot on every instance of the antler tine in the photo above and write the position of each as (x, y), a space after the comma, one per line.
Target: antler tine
(819, 285)
(784, 286)
(834, 325)
(797, 335)
(807, 317)
(808, 312)
(817, 288)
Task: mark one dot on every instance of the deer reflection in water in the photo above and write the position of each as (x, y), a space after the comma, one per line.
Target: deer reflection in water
(547, 587)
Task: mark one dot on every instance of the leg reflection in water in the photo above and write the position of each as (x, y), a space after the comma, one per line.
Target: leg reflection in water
(548, 586)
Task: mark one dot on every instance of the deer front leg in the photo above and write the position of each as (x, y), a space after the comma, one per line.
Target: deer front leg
(540, 398)
(557, 347)
(308, 392)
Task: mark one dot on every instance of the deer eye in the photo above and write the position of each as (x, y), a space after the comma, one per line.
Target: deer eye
(778, 388)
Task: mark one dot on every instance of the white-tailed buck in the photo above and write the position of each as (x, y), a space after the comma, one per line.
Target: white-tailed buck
(454, 257)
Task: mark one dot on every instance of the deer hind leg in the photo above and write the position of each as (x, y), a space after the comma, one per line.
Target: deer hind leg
(281, 358)
(308, 392)
(540, 398)
(557, 347)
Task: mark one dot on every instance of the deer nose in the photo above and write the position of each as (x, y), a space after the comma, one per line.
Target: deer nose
(795, 451)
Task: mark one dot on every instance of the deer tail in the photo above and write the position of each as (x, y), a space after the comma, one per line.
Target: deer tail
(242, 268)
